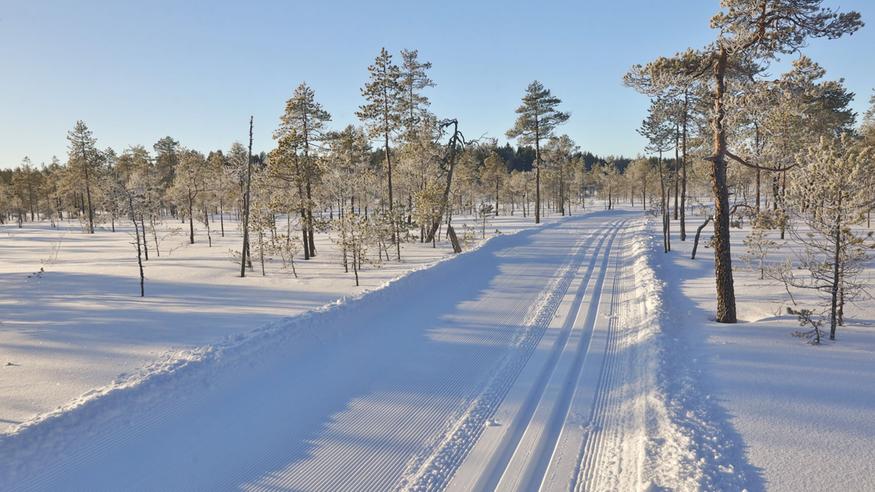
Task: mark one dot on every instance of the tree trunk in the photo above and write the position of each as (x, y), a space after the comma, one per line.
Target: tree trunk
(143, 227)
(137, 237)
(304, 237)
(676, 173)
(836, 279)
(88, 193)
(722, 252)
(683, 217)
(245, 250)
(154, 236)
(698, 234)
(190, 218)
(222, 216)
(537, 172)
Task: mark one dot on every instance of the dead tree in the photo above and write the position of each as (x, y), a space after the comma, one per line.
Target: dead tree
(245, 253)
(448, 163)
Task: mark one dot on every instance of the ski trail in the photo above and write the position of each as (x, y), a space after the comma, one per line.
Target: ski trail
(431, 471)
(514, 454)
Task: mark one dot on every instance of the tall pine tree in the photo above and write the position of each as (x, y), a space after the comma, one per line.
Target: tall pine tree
(84, 159)
(304, 120)
(537, 119)
(384, 110)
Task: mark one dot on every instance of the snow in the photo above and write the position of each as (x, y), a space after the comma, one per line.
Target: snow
(759, 407)
(573, 356)
(80, 324)
(389, 389)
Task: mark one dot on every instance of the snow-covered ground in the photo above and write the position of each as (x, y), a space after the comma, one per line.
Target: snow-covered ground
(573, 356)
(526, 362)
(80, 324)
(760, 408)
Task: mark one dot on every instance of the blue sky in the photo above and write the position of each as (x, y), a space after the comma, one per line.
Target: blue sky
(196, 70)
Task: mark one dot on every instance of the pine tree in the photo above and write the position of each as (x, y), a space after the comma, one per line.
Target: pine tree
(537, 119)
(493, 175)
(189, 183)
(304, 119)
(384, 110)
(84, 158)
(414, 78)
(560, 152)
(660, 134)
(749, 31)
(166, 160)
(829, 193)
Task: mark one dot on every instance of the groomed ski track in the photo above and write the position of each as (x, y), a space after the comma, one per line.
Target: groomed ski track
(512, 367)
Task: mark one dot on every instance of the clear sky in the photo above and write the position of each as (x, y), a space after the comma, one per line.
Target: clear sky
(136, 71)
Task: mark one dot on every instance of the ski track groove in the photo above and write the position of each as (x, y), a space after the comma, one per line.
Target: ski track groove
(537, 455)
(438, 468)
(589, 287)
(612, 458)
(603, 407)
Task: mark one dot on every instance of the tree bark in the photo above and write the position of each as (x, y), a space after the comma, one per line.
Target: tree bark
(836, 280)
(245, 251)
(722, 252)
(88, 192)
(537, 172)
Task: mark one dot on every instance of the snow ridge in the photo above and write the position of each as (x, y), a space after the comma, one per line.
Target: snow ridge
(690, 443)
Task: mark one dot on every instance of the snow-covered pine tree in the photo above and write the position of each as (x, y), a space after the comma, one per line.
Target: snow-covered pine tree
(538, 118)
(383, 113)
(829, 195)
(414, 78)
(304, 119)
(84, 158)
(758, 243)
(660, 134)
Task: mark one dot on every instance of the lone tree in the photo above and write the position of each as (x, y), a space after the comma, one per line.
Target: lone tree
(750, 31)
(658, 131)
(245, 254)
(537, 119)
